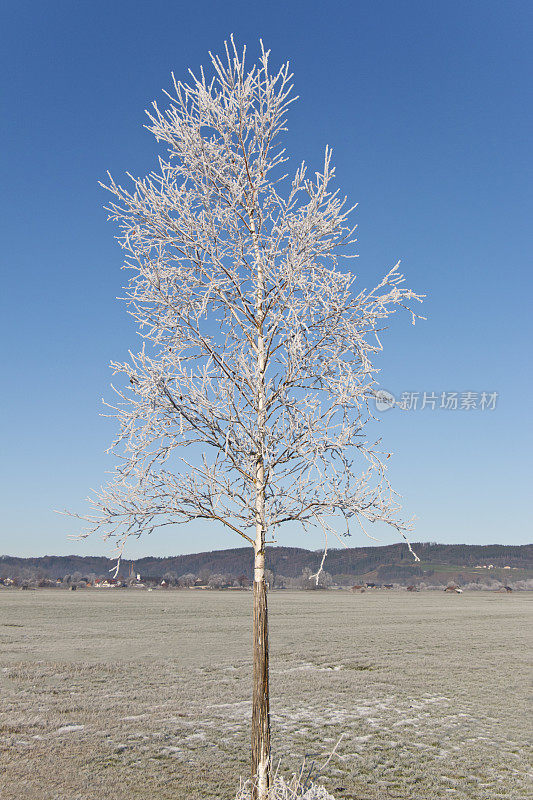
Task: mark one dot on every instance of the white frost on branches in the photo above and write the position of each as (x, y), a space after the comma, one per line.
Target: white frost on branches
(255, 344)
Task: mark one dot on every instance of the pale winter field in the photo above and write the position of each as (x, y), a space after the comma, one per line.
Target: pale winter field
(130, 695)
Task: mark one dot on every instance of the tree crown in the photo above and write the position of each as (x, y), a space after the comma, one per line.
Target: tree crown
(243, 311)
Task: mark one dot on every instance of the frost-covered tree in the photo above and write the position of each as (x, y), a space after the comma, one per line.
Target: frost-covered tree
(187, 580)
(248, 400)
(321, 580)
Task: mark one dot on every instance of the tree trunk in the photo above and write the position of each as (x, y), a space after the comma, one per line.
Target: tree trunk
(260, 702)
(260, 699)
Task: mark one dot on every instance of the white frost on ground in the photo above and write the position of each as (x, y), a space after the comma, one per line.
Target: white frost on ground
(70, 729)
(308, 666)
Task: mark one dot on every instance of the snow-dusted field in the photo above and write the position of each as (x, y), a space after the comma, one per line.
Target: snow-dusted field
(131, 695)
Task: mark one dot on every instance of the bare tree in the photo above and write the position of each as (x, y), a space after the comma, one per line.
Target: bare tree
(187, 580)
(321, 580)
(269, 578)
(257, 348)
(216, 581)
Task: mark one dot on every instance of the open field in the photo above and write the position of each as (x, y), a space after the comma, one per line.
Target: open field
(130, 695)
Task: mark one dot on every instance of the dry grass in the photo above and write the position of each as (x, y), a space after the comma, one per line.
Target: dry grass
(298, 787)
(132, 695)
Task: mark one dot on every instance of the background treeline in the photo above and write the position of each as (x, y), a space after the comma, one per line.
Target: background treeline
(391, 563)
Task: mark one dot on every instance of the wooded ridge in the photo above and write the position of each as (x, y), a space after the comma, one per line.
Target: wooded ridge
(389, 562)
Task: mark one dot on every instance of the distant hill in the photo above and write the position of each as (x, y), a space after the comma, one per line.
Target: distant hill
(390, 563)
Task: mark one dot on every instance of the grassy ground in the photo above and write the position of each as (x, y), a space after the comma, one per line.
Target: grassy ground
(130, 695)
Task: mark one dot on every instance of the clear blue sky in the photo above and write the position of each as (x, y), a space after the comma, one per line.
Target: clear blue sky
(428, 109)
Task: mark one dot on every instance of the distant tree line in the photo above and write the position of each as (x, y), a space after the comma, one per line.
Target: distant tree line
(389, 577)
